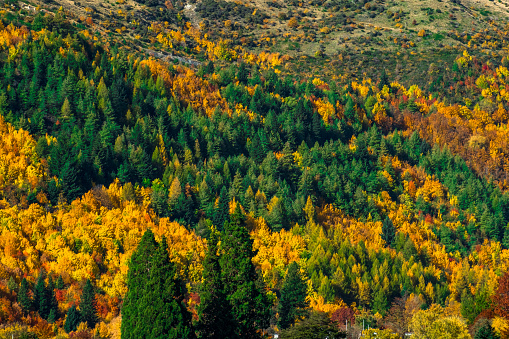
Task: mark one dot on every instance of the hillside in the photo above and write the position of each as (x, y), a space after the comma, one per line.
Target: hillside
(204, 159)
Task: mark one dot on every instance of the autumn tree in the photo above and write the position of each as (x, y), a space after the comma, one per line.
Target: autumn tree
(501, 297)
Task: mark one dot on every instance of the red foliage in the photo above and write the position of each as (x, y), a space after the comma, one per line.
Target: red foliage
(60, 295)
(501, 297)
(342, 315)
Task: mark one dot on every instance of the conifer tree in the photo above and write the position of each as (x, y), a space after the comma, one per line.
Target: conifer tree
(60, 283)
(153, 306)
(388, 232)
(72, 320)
(486, 332)
(88, 305)
(215, 318)
(23, 298)
(41, 301)
(133, 321)
(293, 296)
(168, 315)
(221, 211)
(249, 304)
(52, 300)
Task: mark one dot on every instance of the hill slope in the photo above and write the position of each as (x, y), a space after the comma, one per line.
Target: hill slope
(391, 198)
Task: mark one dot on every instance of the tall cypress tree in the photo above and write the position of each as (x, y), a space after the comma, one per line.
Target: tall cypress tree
(250, 306)
(153, 307)
(41, 302)
(24, 299)
(133, 322)
(72, 320)
(221, 211)
(88, 305)
(388, 232)
(169, 316)
(215, 318)
(52, 301)
(293, 296)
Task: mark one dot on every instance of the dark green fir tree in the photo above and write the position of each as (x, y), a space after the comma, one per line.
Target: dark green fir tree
(41, 301)
(72, 320)
(293, 297)
(153, 306)
(133, 321)
(249, 304)
(215, 317)
(168, 315)
(24, 299)
(486, 332)
(388, 232)
(88, 305)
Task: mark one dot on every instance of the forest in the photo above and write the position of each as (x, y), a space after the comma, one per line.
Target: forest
(142, 197)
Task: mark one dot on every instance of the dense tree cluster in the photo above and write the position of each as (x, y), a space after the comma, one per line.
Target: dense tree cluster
(241, 199)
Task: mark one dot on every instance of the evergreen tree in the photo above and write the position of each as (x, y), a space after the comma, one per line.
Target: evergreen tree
(249, 304)
(24, 299)
(486, 332)
(388, 232)
(88, 305)
(293, 296)
(41, 302)
(72, 320)
(221, 211)
(171, 318)
(215, 318)
(52, 300)
(380, 303)
(133, 310)
(153, 306)
(60, 283)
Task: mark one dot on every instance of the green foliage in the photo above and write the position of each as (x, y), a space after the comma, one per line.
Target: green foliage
(485, 332)
(88, 305)
(316, 326)
(388, 232)
(249, 304)
(293, 297)
(215, 318)
(24, 299)
(153, 306)
(72, 319)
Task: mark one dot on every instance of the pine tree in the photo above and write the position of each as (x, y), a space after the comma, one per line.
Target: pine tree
(388, 232)
(41, 301)
(172, 320)
(249, 304)
(23, 298)
(380, 303)
(221, 210)
(72, 320)
(293, 296)
(88, 305)
(215, 318)
(153, 307)
(52, 300)
(60, 283)
(133, 320)
(486, 332)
